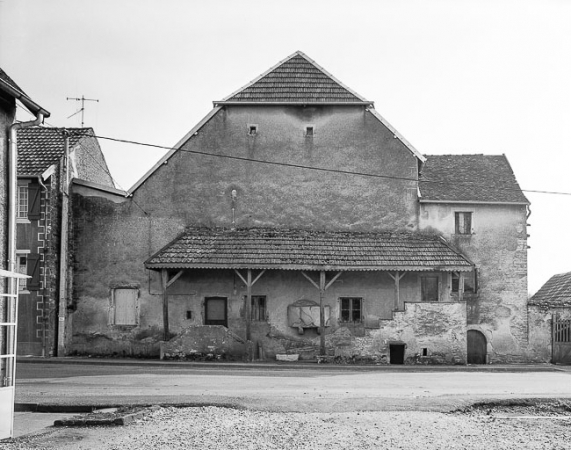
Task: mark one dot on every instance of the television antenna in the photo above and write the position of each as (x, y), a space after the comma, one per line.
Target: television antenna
(81, 99)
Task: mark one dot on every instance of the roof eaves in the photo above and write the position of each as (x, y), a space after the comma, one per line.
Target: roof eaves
(99, 187)
(242, 103)
(172, 151)
(471, 202)
(399, 136)
(23, 98)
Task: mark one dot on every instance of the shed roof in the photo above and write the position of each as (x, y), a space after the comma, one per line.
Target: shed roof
(555, 293)
(469, 178)
(39, 148)
(307, 250)
(297, 79)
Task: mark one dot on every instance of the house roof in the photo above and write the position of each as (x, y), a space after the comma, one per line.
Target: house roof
(307, 250)
(555, 293)
(469, 178)
(9, 86)
(39, 148)
(298, 80)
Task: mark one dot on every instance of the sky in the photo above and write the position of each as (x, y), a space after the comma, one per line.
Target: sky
(452, 76)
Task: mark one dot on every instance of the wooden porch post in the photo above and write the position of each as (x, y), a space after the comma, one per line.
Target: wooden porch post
(249, 305)
(322, 312)
(165, 278)
(397, 277)
(461, 286)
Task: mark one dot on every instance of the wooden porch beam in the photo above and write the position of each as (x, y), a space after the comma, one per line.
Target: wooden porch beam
(333, 280)
(397, 277)
(310, 280)
(176, 277)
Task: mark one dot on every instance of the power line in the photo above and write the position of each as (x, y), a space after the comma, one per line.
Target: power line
(322, 169)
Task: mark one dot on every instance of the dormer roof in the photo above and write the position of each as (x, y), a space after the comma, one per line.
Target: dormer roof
(295, 80)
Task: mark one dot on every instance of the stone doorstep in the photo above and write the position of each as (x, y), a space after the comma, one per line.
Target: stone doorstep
(116, 421)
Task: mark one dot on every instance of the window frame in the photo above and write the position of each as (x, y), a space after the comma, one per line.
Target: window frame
(22, 213)
(351, 309)
(23, 284)
(309, 130)
(461, 226)
(258, 313)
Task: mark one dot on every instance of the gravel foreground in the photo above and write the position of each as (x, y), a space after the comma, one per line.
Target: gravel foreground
(221, 428)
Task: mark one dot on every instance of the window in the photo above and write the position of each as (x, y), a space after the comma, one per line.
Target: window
(22, 267)
(22, 212)
(309, 129)
(252, 129)
(125, 306)
(258, 307)
(429, 288)
(351, 309)
(469, 282)
(216, 311)
(463, 222)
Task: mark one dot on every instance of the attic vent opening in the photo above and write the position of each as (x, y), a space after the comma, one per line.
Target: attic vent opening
(252, 129)
(309, 130)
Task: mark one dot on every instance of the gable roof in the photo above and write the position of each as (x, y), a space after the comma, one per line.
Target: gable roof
(295, 80)
(469, 179)
(10, 87)
(555, 293)
(260, 248)
(39, 148)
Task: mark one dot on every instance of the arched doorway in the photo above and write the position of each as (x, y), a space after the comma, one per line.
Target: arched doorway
(477, 347)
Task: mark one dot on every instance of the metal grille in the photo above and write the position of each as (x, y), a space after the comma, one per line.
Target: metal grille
(562, 331)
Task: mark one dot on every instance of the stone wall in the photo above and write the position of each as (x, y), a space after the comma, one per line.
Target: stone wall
(540, 331)
(498, 247)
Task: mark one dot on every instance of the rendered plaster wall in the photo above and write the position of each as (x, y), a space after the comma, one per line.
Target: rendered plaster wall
(540, 331)
(197, 188)
(498, 247)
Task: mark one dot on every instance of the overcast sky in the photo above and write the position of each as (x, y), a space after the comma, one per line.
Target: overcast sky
(452, 76)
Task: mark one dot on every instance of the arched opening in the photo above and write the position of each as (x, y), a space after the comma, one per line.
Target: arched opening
(477, 347)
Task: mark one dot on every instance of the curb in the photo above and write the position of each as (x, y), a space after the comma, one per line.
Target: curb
(116, 421)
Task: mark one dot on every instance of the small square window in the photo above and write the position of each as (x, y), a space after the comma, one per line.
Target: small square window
(469, 282)
(252, 129)
(351, 309)
(429, 288)
(463, 222)
(309, 130)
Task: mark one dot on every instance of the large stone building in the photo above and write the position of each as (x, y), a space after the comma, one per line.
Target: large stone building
(294, 219)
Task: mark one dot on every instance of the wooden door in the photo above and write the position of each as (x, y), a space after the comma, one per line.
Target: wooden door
(216, 311)
(477, 347)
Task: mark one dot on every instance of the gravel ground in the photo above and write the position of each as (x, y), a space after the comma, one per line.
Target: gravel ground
(221, 428)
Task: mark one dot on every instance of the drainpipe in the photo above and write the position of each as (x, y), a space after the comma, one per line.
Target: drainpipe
(62, 303)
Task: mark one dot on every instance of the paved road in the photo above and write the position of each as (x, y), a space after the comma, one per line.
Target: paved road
(283, 388)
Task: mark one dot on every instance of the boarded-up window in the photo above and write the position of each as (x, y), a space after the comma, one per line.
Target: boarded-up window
(429, 289)
(125, 306)
(258, 307)
(34, 284)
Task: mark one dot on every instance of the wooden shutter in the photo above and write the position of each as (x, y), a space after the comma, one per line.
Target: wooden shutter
(34, 202)
(126, 306)
(34, 272)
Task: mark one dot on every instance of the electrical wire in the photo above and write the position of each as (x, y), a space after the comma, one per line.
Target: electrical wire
(322, 169)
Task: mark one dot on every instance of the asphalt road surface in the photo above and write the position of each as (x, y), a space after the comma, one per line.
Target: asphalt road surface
(284, 388)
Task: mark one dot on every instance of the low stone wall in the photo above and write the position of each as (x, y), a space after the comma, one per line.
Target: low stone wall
(215, 340)
(540, 319)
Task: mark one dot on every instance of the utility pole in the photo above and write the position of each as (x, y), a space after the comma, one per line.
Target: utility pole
(82, 109)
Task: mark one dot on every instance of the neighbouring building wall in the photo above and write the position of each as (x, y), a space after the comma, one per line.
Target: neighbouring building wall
(90, 163)
(540, 330)
(498, 247)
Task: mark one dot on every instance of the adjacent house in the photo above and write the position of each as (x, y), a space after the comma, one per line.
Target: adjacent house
(295, 220)
(550, 320)
(48, 160)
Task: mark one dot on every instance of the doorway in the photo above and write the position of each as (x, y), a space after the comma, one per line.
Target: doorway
(396, 353)
(477, 347)
(215, 311)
